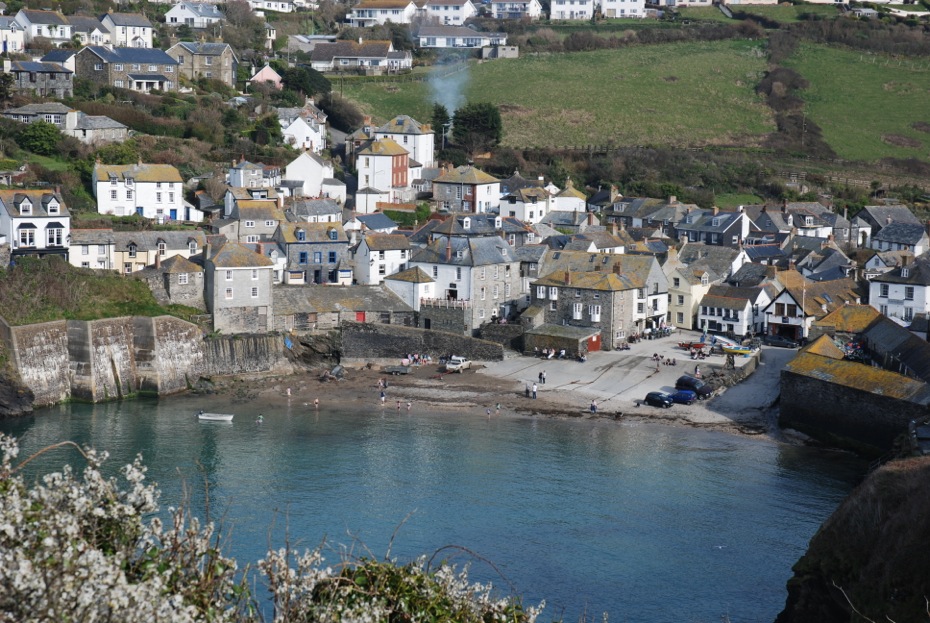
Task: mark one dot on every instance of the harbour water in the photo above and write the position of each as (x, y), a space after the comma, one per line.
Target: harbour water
(645, 522)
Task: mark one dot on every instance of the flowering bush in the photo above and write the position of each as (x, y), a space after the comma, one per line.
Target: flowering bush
(88, 548)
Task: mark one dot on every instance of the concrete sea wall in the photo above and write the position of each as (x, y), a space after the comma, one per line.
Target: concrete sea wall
(388, 341)
(118, 357)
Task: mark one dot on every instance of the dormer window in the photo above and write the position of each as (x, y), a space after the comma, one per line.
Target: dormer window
(53, 208)
(715, 222)
(809, 221)
(129, 181)
(333, 234)
(498, 222)
(704, 280)
(301, 235)
(25, 208)
(132, 250)
(905, 271)
(192, 247)
(162, 248)
(466, 223)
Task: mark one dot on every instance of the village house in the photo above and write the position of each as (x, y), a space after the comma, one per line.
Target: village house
(899, 236)
(691, 272)
(369, 57)
(570, 199)
(279, 6)
(129, 30)
(446, 36)
(466, 189)
(316, 253)
(36, 222)
(40, 79)
(378, 255)
(713, 227)
(623, 8)
(154, 191)
(571, 9)
(89, 129)
(175, 281)
(137, 69)
(529, 204)
(245, 174)
(514, 231)
(516, 9)
(12, 35)
(213, 61)
(267, 76)
(89, 30)
(316, 177)
(194, 14)
(737, 312)
(313, 211)
(604, 298)
(417, 138)
(134, 250)
(904, 292)
(411, 286)
(449, 12)
(879, 216)
(478, 281)
(803, 301)
(238, 289)
(385, 165)
(49, 25)
(378, 12)
(304, 128)
(250, 215)
(92, 248)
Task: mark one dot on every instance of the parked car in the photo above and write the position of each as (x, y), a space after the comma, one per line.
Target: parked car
(684, 397)
(658, 399)
(696, 385)
(457, 364)
(779, 340)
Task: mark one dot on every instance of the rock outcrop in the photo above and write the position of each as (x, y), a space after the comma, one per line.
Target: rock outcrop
(15, 399)
(871, 555)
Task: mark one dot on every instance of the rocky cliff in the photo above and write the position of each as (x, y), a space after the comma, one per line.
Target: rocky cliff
(15, 399)
(870, 559)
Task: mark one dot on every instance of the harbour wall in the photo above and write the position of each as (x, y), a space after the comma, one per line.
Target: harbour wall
(388, 341)
(115, 358)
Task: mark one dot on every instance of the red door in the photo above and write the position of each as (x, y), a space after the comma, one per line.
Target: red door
(594, 343)
(360, 316)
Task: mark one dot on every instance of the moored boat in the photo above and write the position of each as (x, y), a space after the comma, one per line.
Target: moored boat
(692, 344)
(215, 417)
(737, 350)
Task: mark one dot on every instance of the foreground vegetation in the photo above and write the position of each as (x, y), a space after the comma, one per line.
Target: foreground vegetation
(78, 546)
(41, 290)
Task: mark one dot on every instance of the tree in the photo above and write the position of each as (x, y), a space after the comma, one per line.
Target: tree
(267, 130)
(478, 127)
(6, 87)
(441, 121)
(40, 138)
(305, 80)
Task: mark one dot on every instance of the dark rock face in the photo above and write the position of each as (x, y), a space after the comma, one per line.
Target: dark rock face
(15, 400)
(871, 556)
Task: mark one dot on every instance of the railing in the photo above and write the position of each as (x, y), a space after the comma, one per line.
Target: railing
(446, 303)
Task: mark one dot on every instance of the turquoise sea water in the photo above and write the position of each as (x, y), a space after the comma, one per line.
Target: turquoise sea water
(646, 522)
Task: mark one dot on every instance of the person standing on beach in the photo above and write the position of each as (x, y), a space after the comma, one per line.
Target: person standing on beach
(527, 390)
(543, 377)
(383, 396)
(316, 403)
(594, 406)
(541, 381)
(534, 391)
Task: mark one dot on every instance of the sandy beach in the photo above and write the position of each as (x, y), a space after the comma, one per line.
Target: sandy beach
(617, 380)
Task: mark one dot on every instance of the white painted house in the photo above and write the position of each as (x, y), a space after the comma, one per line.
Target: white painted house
(128, 30)
(571, 9)
(194, 14)
(12, 36)
(623, 8)
(386, 166)
(902, 292)
(50, 25)
(377, 12)
(380, 255)
(35, 222)
(155, 191)
(516, 9)
(528, 204)
(412, 286)
(312, 171)
(570, 199)
(450, 12)
(418, 139)
(304, 128)
(458, 37)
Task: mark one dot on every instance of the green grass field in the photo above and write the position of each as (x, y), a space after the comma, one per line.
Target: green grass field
(867, 105)
(731, 201)
(777, 12)
(687, 94)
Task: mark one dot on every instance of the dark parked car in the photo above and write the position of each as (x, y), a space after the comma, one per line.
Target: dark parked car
(696, 385)
(779, 340)
(684, 396)
(658, 399)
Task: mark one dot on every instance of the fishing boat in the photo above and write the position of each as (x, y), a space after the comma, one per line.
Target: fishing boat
(737, 350)
(215, 417)
(692, 344)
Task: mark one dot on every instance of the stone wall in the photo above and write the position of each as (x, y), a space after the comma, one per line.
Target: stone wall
(508, 335)
(844, 416)
(381, 341)
(6, 252)
(448, 319)
(119, 357)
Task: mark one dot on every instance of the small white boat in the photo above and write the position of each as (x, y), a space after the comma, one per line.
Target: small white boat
(215, 417)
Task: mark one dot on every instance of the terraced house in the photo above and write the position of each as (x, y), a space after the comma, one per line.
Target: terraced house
(237, 284)
(136, 69)
(154, 191)
(316, 253)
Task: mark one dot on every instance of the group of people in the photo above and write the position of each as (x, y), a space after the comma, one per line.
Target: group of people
(549, 353)
(417, 359)
(698, 353)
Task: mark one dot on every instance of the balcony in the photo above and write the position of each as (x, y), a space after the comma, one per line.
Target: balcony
(446, 303)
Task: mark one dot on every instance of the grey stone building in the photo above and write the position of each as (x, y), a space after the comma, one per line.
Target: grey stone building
(316, 252)
(41, 79)
(176, 281)
(237, 286)
(216, 61)
(137, 69)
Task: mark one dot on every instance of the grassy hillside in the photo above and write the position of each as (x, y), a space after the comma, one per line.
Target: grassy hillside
(683, 94)
(868, 106)
(44, 290)
(784, 13)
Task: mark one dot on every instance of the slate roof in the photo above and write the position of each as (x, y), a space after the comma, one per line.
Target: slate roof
(465, 174)
(615, 273)
(885, 336)
(481, 225)
(634, 267)
(178, 264)
(403, 124)
(387, 242)
(750, 275)
(302, 209)
(769, 252)
(882, 215)
(38, 67)
(469, 251)
(140, 56)
(740, 294)
(97, 122)
(819, 298)
(91, 236)
(376, 221)
(516, 182)
(58, 56)
(53, 108)
(705, 221)
(530, 253)
(326, 52)
(903, 233)
(235, 255)
(45, 17)
(85, 23)
(411, 275)
(39, 199)
(148, 240)
(454, 31)
(327, 299)
(383, 147)
(314, 233)
(204, 9)
(128, 19)
(206, 49)
(139, 172)
(724, 302)
(918, 274)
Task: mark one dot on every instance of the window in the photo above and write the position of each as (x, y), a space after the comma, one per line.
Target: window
(676, 282)
(435, 271)
(118, 67)
(576, 311)
(162, 247)
(169, 69)
(554, 293)
(332, 257)
(681, 299)
(113, 194)
(137, 67)
(495, 292)
(482, 293)
(380, 255)
(640, 308)
(128, 194)
(250, 223)
(254, 274)
(98, 66)
(127, 267)
(119, 84)
(229, 293)
(157, 197)
(85, 249)
(540, 292)
(553, 306)
(481, 314)
(458, 273)
(101, 249)
(302, 257)
(641, 293)
(252, 238)
(317, 257)
(382, 269)
(85, 264)
(595, 312)
(333, 234)
(182, 279)
(27, 237)
(909, 293)
(254, 293)
(170, 197)
(679, 318)
(229, 275)
(132, 250)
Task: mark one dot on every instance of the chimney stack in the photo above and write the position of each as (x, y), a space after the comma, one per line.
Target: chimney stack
(616, 269)
(591, 219)
(568, 278)
(716, 210)
(613, 229)
(672, 199)
(784, 206)
(448, 249)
